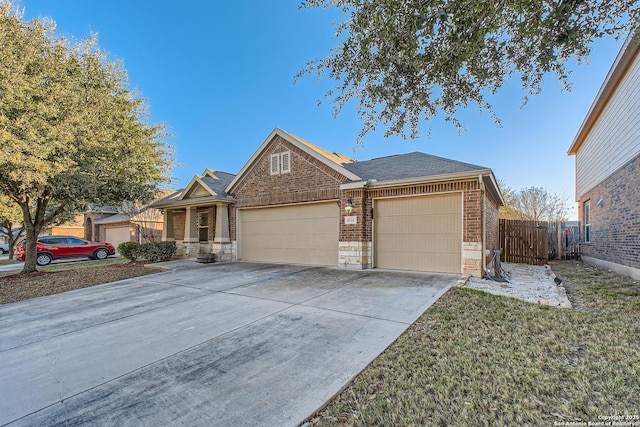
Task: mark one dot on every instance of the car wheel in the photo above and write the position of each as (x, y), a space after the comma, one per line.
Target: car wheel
(101, 254)
(44, 259)
(2, 251)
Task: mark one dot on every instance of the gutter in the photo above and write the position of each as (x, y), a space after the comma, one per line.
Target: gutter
(416, 180)
(484, 225)
(192, 202)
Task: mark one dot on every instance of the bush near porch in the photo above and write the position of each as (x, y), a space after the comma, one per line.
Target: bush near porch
(152, 251)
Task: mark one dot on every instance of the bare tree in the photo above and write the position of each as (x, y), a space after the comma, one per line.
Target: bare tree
(148, 220)
(508, 195)
(537, 204)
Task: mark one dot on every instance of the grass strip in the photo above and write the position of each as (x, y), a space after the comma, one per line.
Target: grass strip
(475, 359)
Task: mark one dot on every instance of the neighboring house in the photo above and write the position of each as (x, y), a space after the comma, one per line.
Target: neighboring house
(73, 227)
(293, 202)
(607, 162)
(128, 223)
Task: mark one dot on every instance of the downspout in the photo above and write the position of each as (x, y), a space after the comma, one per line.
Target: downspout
(484, 228)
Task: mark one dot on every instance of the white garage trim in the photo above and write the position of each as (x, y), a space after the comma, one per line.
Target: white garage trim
(303, 233)
(419, 232)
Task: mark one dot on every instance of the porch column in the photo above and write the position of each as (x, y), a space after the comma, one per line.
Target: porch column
(190, 226)
(222, 224)
(167, 226)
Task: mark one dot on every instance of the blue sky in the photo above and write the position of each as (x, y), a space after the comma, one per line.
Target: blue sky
(220, 74)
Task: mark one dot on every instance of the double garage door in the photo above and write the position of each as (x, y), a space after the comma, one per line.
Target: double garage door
(420, 233)
(302, 234)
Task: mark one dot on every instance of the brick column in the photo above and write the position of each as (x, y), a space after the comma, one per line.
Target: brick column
(354, 249)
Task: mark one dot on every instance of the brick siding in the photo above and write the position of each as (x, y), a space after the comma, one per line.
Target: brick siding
(309, 180)
(179, 218)
(492, 224)
(615, 225)
(471, 210)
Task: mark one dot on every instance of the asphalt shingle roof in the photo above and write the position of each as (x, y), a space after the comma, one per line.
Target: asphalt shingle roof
(405, 166)
(218, 185)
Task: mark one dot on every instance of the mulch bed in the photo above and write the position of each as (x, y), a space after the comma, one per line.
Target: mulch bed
(16, 287)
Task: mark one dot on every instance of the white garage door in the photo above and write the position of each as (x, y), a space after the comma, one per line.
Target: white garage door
(421, 233)
(302, 234)
(117, 235)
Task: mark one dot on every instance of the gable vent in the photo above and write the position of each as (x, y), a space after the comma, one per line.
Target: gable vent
(275, 164)
(285, 162)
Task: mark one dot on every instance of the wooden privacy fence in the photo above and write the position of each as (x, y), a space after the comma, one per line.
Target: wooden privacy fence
(524, 242)
(536, 242)
(564, 240)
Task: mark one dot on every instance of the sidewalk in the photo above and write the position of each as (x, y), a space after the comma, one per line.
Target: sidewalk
(10, 267)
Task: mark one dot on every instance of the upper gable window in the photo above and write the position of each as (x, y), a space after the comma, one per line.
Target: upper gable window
(285, 162)
(280, 163)
(275, 164)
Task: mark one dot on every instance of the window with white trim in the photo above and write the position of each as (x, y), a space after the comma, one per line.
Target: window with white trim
(587, 221)
(280, 163)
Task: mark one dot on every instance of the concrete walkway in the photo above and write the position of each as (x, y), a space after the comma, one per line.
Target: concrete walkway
(220, 344)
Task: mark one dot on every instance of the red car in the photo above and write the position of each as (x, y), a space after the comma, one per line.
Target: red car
(54, 247)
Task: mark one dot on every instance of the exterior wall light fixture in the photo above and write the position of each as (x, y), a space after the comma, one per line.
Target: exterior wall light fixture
(348, 207)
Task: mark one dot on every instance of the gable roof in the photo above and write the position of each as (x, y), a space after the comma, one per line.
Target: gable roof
(212, 181)
(337, 158)
(617, 72)
(408, 166)
(335, 161)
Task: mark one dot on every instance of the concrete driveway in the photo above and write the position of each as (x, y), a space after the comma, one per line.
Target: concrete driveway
(220, 344)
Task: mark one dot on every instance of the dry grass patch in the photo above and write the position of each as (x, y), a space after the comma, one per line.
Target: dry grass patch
(475, 359)
(57, 278)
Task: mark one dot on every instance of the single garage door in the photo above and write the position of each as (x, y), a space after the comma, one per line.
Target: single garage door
(422, 233)
(117, 235)
(301, 234)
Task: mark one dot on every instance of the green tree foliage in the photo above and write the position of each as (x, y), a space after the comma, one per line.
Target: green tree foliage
(70, 130)
(410, 60)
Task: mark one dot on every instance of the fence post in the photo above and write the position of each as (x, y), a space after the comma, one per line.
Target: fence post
(560, 251)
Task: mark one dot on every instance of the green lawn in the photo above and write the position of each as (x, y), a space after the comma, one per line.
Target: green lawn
(475, 359)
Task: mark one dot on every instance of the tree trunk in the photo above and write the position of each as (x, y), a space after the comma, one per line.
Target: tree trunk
(13, 239)
(32, 252)
(33, 228)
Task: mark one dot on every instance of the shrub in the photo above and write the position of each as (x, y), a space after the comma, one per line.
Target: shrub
(156, 251)
(129, 250)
